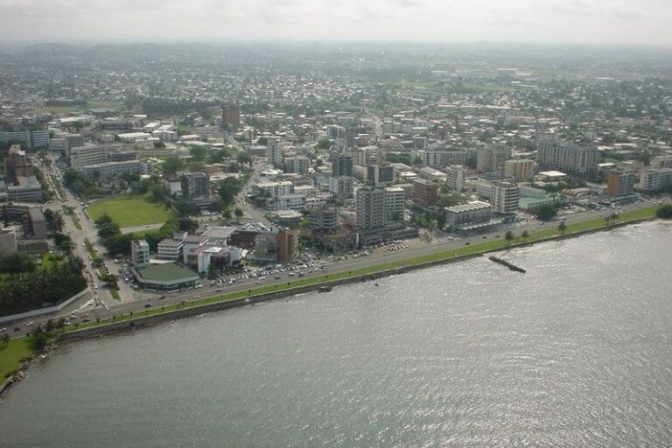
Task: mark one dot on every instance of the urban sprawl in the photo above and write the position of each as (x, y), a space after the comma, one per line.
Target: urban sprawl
(140, 173)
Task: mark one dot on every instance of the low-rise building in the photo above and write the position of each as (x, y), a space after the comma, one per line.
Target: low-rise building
(139, 253)
(470, 213)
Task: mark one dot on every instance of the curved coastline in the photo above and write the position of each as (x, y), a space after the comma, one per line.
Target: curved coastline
(139, 322)
(133, 323)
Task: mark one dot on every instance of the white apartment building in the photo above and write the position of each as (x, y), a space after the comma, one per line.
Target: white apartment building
(286, 202)
(455, 175)
(274, 151)
(341, 187)
(395, 204)
(274, 189)
(504, 197)
(91, 154)
(558, 155)
(520, 170)
(655, 179)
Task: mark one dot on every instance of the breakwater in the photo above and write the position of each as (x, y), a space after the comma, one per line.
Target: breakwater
(511, 266)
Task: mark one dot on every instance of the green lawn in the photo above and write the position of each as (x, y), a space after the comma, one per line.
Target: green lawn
(130, 211)
(10, 357)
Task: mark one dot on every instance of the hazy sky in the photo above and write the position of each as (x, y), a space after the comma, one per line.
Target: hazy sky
(592, 21)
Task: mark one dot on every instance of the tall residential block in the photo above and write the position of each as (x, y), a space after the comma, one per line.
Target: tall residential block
(425, 192)
(619, 183)
(231, 114)
(520, 170)
(489, 160)
(504, 197)
(380, 175)
(274, 151)
(370, 208)
(195, 185)
(555, 154)
(655, 179)
(342, 166)
(455, 175)
(395, 203)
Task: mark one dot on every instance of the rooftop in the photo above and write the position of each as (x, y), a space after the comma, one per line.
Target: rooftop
(166, 272)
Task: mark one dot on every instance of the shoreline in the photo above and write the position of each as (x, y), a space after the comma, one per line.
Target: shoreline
(139, 322)
(142, 322)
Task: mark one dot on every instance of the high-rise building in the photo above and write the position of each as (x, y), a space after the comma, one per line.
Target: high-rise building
(370, 208)
(195, 185)
(139, 253)
(274, 151)
(17, 165)
(342, 166)
(455, 177)
(504, 197)
(323, 218)
(32, 139)
(520, 170)
(8, 242)
(662, 162)
(297, 164)
(380, 175)
(619, 183)
(231, 114)
(425, 192)
(555, 154)
(395, 203)
(341, 186)
(655, 179)
(490, 160)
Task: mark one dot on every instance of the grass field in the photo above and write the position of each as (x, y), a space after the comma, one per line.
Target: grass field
(130, 211)
(10, 356)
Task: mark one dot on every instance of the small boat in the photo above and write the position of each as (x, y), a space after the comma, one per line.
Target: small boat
(324, 288)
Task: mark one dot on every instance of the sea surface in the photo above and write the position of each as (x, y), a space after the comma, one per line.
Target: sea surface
(577, 352)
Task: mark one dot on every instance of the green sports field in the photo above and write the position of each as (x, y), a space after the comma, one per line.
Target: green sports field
(131, 211)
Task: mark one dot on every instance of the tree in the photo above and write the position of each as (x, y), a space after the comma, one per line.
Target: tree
(186, 224)
(239, 213)
(197, 152)
(4, 341)
(325, 143)
(263, 141)
(244, 158)
(562, 228)
(508, 236)
(159, 145)
(37, 340)
(664, 211)
(213, 271)
(546, 212)
(172, 165)
(525, 235)
(228, 189)
(226, 213)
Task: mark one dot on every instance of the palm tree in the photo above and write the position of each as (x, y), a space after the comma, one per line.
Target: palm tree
(508, 236)
(525, 235)
(562, 228)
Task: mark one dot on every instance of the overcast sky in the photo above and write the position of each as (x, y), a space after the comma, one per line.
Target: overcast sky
(579, 21)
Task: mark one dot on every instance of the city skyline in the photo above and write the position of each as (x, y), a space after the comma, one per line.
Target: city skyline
(574, 21)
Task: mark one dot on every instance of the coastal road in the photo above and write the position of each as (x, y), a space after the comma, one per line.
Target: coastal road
(415, 248)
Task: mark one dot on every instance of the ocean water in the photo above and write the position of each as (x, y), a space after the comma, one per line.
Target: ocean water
(574, 353)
